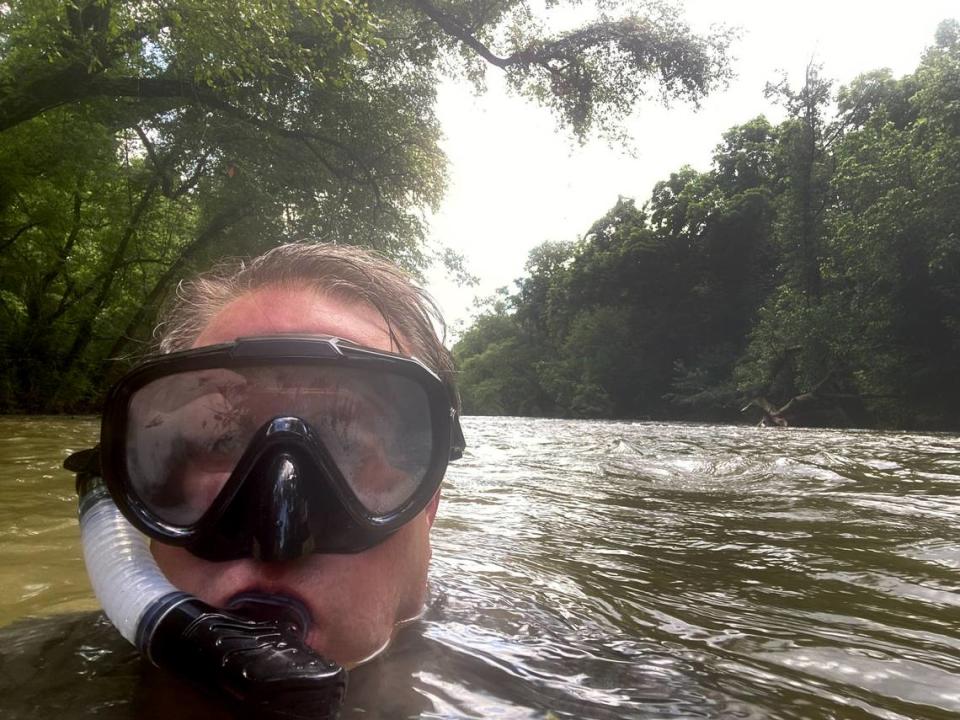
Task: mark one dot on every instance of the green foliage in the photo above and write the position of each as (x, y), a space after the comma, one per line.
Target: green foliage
(591, 76)
(817, 262)
(142, 140)
(496, 367)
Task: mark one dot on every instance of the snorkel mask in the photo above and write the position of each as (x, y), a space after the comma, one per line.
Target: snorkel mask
(267, 448)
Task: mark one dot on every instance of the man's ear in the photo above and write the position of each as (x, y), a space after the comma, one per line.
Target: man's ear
(431, 508)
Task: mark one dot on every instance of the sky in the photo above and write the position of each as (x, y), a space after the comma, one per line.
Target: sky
(517, 180)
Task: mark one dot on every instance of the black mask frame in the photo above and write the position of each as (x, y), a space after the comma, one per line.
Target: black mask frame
(219, 534)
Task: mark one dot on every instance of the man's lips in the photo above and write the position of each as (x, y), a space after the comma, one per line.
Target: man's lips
(300, 581)
(258, 605)
(279, 603)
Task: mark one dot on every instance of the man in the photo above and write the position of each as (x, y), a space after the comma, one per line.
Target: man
(285, 449)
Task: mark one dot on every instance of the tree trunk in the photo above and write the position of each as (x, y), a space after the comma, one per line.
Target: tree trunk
(84, 330)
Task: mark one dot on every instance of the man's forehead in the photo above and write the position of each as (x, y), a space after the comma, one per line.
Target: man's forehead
(281, 310)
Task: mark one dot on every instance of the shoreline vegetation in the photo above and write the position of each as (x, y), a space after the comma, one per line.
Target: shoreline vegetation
(810, 277)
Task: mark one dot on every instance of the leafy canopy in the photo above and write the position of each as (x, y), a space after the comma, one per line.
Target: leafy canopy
(143, 140)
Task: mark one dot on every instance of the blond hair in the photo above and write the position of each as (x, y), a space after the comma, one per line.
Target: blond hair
(346, 272)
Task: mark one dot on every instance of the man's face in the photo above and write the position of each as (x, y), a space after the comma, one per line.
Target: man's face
(355, 600)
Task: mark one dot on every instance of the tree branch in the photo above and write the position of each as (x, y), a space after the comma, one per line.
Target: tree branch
(83, 335)
(166, 183)
(67, 248)
(545, 53)
(13, 238)
(453, 27)
(152, 154)
(71, 296)
(74, 83)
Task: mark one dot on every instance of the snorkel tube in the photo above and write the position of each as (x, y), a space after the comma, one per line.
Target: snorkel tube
(257, 657)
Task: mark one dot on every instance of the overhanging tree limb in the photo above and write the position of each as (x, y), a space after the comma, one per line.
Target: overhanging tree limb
(595, 75)
(17, 233)
(543, 52)
(454, 28)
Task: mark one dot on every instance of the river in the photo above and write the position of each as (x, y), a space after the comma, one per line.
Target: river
(581, 570)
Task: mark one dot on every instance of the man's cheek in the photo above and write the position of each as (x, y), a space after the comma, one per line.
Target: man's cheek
(431, 509)
(184, 570)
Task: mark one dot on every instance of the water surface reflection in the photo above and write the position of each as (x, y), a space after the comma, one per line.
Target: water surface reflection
(587, 569)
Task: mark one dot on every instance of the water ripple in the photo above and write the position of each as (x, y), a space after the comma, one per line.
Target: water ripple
(617, 570)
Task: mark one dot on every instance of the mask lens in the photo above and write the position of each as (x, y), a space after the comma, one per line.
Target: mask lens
(186, 432)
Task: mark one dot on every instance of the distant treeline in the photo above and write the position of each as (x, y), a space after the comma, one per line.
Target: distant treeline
(811, 276)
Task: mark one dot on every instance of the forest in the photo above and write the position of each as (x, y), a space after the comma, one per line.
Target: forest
(810, 276)
(142, 141)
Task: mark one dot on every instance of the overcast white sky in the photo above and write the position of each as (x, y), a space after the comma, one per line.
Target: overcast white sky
(516, 180)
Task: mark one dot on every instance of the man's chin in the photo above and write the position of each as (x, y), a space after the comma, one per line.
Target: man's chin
(348, 658)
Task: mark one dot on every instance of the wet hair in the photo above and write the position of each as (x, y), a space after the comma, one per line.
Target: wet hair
(345, 272)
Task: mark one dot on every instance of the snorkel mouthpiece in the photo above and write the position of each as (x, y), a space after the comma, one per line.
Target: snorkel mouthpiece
(254, 655)
(264, 665)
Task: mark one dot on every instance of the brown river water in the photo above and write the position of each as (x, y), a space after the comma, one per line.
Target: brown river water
(581, 570)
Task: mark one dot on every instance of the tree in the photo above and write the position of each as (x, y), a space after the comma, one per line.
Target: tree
(174, 134)
(497, 365)
(894, 232)
(789, 356)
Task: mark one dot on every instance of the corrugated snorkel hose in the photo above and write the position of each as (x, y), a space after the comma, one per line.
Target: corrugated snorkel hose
(124, 575)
